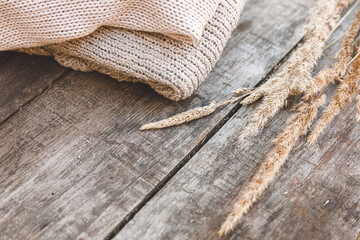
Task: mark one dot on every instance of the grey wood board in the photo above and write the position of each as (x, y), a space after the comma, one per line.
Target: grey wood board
(315, 196)
(73, 163)
(23, 77)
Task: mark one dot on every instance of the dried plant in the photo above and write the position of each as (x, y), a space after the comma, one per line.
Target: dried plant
(192, 114)
(280, 90)
(345, 93)
(181, 118)
(299, 124)
(295, 77)
(327, 76)
(274, 160)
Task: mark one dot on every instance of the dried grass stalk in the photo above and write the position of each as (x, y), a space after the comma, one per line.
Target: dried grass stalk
(274, 160)
(345, 93)
(189, 115)
(327, 76)
(295, 77)
(181, 118)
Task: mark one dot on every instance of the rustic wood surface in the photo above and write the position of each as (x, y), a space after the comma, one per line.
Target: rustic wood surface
(73, 164)
(22, 78)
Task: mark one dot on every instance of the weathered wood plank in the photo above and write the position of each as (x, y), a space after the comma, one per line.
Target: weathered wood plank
(315, 196)
(23, 77)
(73, 163)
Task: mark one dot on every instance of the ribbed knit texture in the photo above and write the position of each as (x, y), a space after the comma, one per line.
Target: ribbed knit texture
(173, 68)
(30, 23)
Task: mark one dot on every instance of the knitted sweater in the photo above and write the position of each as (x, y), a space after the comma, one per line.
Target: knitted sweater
(172, 68)
(28, 23)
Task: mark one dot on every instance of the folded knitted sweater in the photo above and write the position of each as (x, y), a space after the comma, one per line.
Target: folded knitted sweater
(173, 68)
(28, 23)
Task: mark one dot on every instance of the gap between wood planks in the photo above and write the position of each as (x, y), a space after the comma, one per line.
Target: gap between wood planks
(187, 158)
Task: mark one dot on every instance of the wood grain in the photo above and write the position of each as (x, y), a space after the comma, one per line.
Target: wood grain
(315, 196)
(73, 163)
(23, 77)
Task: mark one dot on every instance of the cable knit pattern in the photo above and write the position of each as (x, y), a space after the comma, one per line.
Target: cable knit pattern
(173, 68)
(30, 23)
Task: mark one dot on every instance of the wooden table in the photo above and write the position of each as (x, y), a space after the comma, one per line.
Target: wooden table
(75, 166)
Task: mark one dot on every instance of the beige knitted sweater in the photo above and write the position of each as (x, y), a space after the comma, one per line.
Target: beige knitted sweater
(29, 23)
(173, 68)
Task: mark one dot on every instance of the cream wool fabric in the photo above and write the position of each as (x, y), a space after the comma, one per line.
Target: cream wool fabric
(30, 23)
(173, 68)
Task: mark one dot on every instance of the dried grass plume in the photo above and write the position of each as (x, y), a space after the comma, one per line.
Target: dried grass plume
(181, 118)
(345, 93)
(297, 126)
(295, 76)
(192, 114)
